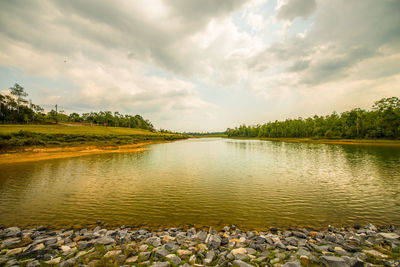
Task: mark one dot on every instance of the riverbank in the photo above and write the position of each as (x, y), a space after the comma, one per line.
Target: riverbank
(374, 142)
(353, 246)
(37, 154)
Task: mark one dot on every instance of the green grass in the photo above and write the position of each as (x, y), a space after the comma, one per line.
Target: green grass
(20, 136)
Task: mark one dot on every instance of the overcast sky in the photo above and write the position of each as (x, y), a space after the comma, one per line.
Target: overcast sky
(202, 65)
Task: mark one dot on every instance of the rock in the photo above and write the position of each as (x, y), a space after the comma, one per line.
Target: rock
(241, 263)
(303, 252)
(34, 263)
(251, 251)
(54, 261)
(192, 259)
(143, 247)
(209, 257)
(14, 251)
(144, 255)
(238, 251)
(241, 257)
(184, 252)
(160, 264)
(171, 246)
(132, 259)
(334, 261)
(292, 264)
(202, 235)
(299, 234)
(65, 248)
(154, 241)
(214, 242)
(340, 251)
(353, 262)
(104, 241)
(389, 235)
(112, 253)
(12, 232)
(305, 260)
(375, 253)
(161, 252)
(280, 245)
(174, 259)
(371, 227)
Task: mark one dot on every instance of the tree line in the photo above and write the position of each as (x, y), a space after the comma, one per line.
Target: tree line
(382, 121)
(15, 108)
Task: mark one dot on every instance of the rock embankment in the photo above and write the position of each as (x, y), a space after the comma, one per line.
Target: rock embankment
(354, 246)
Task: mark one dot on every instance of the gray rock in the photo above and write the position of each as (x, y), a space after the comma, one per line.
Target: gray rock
(171, 246)
(12, 232)
(241, 256)
(175, 260)
(299, 234)
(251, 251)
(389, 235)
(303, 252)
(161, 252)
(352, 261)
(154, 241)
(334, 261)
(209, 257)
(241, 263)
(160, 264)
(33, 263)
(214, 242)
(202, 235)
(292, 264)
(280, 245)
(144, 255)
(104, 241)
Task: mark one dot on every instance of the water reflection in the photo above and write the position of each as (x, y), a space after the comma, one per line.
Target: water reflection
(209, 182)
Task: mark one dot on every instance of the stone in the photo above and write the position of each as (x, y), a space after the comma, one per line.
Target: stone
(238, 251)
(305, 260)
(303, 252)
(143, 247)
(65, 248)
(371, 227)
(241, 263)
(154, 241)
(14, 251)
(174, 259)
(132, 259)
(340, 251)
(183, 252)
(104, 241)
(389, 235)
(375, 253)
(299, 234)
(161, 252)
(280, 245)
(112, 253)
(251, 251)
(144, 255)
(192, 259)
(12, 232)
(54, 261)
(292, 264)
(214, 242)
(160, 264)
(241, 257)
(209, 257)
(202, 235)
(34, 263)
(334, 261)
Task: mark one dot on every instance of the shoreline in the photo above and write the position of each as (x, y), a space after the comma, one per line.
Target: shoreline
(351, 246)
(369, 142)
(44, 153)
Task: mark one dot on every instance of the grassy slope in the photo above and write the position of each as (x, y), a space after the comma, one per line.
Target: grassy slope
(17, 136)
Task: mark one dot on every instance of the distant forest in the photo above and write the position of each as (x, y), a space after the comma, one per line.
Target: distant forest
(15, 108)
(382, 121)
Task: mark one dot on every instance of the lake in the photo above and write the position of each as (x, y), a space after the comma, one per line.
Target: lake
(208, 182)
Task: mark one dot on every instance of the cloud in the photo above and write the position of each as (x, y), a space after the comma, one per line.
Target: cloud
(291, 9)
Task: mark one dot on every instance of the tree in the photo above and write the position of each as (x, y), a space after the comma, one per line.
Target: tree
(19, 93)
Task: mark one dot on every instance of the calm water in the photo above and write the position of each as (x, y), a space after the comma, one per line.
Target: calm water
(253, 184)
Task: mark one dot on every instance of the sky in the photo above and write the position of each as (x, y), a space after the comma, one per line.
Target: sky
(202, 65)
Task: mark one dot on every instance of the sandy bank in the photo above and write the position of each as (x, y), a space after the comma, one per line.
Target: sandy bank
(35, 154)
